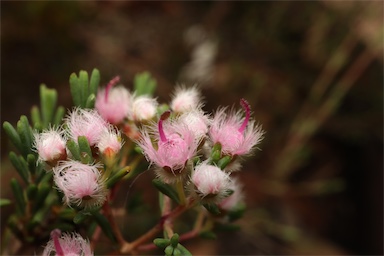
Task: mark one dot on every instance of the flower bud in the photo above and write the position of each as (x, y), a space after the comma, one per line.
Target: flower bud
(210, 183)
(113, 103)
(50, 145)
(185, 99)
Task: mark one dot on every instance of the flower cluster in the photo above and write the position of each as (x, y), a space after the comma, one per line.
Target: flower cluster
(193, 153)
(81, 182)
(187, 135)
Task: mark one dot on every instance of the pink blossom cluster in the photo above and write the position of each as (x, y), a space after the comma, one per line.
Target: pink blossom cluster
(184, 145)
(186, 133)
(82, 183)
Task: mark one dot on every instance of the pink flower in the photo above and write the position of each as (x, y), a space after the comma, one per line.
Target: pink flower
(196, 121)
(176, 144)
(113, 103)
(210, 183)
(67, 245)
(81, 184)
(86, 122)
(143, 108)
(185, 99)
(50, 145)
(237, 135)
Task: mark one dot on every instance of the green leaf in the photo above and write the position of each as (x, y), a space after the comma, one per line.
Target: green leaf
(223, 162)
(166, 189)
(74, 149)
(175, 240)
(104, 224)
(25, 133)
(212, 208)
(215, 153)
(4, 202)
(81, 216)
(31, 161)
(184, 250)
(85, 148)
(84, 87)
(75, 89)
(31, 191)
(144, 84)
(19, 165)
(42, 193)
(13, 135)
(19, 196)
(95, 81)
(36, 119)
(90, 103)
(236, 213)
(48, 100)
(117, 176)
(177, 252)
(161, 242)
(208, 235)
(60, 112)
(169, 250)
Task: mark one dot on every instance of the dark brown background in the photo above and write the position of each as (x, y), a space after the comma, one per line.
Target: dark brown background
(270, 53)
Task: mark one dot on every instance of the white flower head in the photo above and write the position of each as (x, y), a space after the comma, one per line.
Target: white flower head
(50, 145)
(186, 99)
(110, 141)
(196, 121)
(143, 108)
(80, 183)
(210, 183)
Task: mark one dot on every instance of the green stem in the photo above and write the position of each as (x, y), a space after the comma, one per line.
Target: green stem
(180, 192)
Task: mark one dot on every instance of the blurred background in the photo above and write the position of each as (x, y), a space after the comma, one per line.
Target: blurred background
(312, 72)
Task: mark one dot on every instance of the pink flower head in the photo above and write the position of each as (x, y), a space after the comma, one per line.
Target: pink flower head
(185, 99)
(50, 145)
(143, 108)
(65, 244)
(110, 141)
(176, 144)
(196, 121)
(86, 122)
(237, 135)
(81, 184)
(210, 182)
(113, 103)
(235, 200)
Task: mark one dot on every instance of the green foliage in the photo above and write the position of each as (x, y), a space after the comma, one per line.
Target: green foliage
(83, 89)
(171, 247)
(212, 208)
(144, 84)
(167, 190)
(4, 202)
(104, 224)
